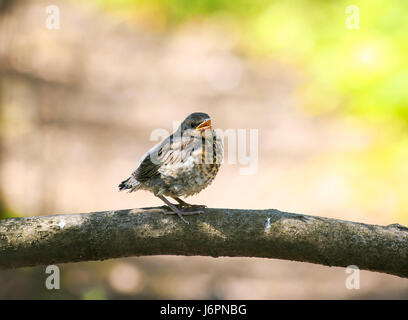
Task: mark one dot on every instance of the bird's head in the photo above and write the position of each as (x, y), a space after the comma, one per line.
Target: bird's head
(196, 122)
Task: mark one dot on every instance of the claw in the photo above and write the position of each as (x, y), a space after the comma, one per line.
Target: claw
(176, 210)
(190, 206)
(183, 204)
(183, 213)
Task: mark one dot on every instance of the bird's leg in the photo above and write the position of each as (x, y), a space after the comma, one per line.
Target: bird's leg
(177, 210)
(184, 204)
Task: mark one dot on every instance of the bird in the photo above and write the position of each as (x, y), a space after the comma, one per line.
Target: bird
(181, 165)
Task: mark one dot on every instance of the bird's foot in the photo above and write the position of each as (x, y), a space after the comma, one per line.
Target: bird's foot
(182, 204)
(182, 213)
(175, 210)
(190, 206)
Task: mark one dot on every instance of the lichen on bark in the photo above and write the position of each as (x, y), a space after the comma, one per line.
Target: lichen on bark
(45, 240)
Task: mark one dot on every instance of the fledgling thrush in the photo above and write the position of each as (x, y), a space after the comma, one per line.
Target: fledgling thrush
(181, 165)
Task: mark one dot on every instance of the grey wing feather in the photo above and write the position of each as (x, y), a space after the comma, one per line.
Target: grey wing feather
(149, 165)
(169, 151)
(161, 154)
(146, 170)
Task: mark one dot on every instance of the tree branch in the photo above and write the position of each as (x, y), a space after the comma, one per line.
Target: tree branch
(54, 239)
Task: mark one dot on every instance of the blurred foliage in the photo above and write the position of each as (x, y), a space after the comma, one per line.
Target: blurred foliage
(4, 212)
(364, 71)
(360, 73)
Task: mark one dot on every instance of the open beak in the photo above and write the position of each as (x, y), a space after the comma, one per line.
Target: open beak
(204, 125)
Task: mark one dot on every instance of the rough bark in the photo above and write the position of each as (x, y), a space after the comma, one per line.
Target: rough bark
(55, 239)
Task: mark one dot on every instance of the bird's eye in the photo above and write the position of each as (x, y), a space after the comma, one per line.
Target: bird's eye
(192, 125)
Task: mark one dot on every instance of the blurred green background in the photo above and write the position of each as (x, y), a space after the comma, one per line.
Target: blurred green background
(78, 104)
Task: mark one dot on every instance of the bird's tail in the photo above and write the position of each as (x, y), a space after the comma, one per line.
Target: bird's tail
(130, 183)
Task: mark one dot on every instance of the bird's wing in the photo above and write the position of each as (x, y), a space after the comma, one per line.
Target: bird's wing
(169, 151)
(146, 170)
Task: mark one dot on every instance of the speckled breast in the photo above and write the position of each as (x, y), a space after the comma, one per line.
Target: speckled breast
(197, 170)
